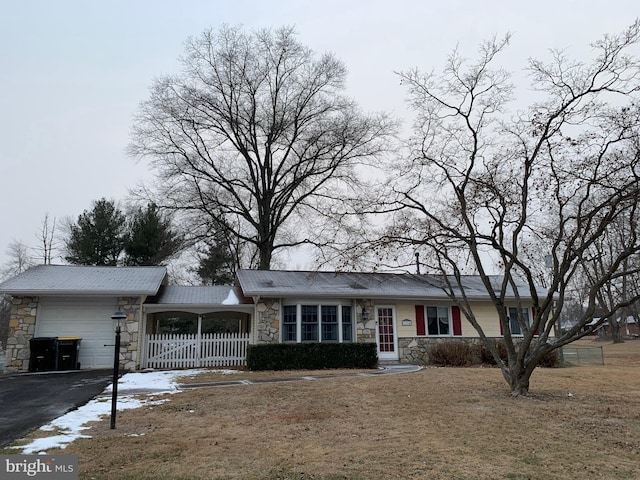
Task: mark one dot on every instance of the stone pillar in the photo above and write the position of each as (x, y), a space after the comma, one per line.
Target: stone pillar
(268, 321)
(130, 341)
(22, 327)
(365, 329)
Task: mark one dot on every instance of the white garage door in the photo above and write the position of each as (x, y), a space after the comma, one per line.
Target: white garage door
(89, 319)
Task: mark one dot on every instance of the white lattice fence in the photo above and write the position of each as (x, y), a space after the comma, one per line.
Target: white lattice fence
(191, 350)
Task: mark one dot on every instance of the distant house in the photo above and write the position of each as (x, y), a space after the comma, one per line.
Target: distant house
(630, 328)
(184, 326)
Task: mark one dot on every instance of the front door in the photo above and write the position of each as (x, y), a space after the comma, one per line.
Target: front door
(386, 335)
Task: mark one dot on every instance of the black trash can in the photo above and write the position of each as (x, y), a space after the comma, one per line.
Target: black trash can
(44, 354)
(68, 351)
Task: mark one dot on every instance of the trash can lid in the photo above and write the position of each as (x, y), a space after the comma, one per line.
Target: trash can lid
(69, 338)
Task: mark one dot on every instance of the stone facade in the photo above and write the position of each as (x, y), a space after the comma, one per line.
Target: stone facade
(22, 324)
(365, 322)
(415, 350)
(130, 344)
(268, 321)
(22, 327)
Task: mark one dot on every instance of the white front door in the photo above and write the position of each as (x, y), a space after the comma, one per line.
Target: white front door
(386, 333)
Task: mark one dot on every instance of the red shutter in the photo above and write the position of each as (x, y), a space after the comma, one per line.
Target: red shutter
(506, 310)
(420, 329)
(457, 323)
(533, 317)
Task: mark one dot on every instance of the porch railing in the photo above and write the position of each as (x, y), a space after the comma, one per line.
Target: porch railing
(167, 350)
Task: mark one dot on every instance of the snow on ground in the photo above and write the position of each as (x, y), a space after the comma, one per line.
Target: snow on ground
(132, 389)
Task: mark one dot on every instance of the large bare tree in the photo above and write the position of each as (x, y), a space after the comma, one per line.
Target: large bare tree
(256, 130)
(483, 181)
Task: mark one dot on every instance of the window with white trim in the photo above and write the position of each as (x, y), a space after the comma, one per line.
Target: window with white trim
(514, 324)
(289, 323)
(309, 315)
(438, 321)
(317, 323)
(347, 324)
(329, 322)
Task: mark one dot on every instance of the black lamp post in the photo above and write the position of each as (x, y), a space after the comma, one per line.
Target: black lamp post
(118, 316)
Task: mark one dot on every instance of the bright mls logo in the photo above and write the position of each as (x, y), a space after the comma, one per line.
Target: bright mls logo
(50, 467)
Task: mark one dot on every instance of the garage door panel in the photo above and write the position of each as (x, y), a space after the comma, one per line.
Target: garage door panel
(89, 320)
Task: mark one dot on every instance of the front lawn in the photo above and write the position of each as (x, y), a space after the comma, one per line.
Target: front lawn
(439, 423)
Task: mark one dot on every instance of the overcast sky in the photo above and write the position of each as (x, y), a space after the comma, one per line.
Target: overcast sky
(72, 73)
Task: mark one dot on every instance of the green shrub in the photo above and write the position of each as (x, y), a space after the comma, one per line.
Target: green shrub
(311, 356)
(451, 354)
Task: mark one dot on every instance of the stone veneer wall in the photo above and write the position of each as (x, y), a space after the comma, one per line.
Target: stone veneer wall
(415, 350)
(22, 323)
(22, 327)
(365, 329)
(268, 321)
(130, 344)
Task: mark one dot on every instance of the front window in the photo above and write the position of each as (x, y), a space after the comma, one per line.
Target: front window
(309, 323)
(289, 323)
(438, 321)
(347, 324)
(329, 323)
(317, 323)
(514, 324)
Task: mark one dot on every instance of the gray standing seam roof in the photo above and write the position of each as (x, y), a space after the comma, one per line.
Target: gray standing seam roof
(85, 280)
(199, 295)
(357, 285)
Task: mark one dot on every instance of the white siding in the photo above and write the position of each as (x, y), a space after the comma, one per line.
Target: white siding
(485, 313)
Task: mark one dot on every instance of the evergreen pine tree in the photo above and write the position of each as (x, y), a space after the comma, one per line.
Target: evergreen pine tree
(150, 240)
(98, 236)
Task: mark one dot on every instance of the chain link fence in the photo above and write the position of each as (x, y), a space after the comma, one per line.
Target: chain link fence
(582, 355)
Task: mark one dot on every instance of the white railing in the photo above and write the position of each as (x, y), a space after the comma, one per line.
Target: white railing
(167, 350)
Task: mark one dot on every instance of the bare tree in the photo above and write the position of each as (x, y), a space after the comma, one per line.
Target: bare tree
(617, 289)
(47, 239)
(255, 129)
(19, 259)
(482, 182)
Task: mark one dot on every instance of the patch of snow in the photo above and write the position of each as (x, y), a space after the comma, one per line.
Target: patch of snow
(231, 299)
(71, 425)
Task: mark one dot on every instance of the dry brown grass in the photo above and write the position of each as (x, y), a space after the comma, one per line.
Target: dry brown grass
(439, 423)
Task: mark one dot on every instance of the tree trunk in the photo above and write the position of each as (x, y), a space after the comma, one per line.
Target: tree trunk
(616, 331)
(265, 252)
(518, 377)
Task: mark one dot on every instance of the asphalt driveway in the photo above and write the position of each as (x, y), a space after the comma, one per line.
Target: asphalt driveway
(28, 401)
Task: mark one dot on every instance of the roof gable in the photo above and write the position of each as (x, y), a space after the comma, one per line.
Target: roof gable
(85, 280)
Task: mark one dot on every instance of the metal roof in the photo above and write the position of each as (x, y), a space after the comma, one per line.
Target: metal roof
(278, 283)
(198, 299)
(200, 295)
(85, 280)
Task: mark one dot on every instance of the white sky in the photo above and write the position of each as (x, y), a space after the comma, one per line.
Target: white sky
(72, 73)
